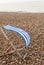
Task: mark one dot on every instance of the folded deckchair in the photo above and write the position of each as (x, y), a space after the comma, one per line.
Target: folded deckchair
(25, 36)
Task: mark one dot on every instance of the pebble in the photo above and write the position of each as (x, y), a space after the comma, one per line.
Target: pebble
(3, 62)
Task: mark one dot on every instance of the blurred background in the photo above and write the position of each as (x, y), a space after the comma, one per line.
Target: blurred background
(24, 5)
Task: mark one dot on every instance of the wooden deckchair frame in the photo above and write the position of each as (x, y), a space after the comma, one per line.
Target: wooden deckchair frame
(11, 43)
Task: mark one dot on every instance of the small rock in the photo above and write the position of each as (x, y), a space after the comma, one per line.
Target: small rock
(3, 62)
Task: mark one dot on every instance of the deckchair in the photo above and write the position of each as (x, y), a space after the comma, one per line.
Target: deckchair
(25, 36)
